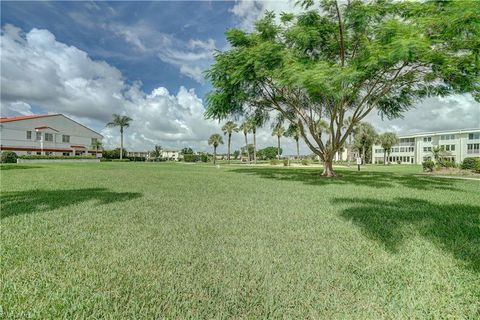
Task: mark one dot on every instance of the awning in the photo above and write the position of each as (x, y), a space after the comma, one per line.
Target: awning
(78, 147)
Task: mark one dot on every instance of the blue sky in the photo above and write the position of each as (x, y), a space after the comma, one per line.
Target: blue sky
(88, 60)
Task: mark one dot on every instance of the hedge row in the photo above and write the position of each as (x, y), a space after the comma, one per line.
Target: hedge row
(35, 156)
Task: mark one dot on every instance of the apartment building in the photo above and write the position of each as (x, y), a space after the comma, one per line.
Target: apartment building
(48, 134)
(416, 148)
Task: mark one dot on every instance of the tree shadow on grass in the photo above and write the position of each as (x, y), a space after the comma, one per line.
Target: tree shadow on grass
(31, 201)
(16, 167)
(454, 228)
(365, 178)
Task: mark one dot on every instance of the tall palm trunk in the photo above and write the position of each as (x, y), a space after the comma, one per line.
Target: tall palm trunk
(278, 148)
(363, 155)
(229, 141)
(254, 146)
(214, 154)
(121, 143)
(384, 156)
(246, 148)
(298, 150)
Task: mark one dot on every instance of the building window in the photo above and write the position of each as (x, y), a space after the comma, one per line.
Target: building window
(29, 135)
(411, 149)
(427, 158)
(66, 154)
(48, 153)
(473, 148)
(452, 147)
(427, 139)
(395, 149)
(427, 149)
(38, 153)
(65, 138)
(447, 137)
(402, 149)
(38, 136)
(48, 136)
(474, 136)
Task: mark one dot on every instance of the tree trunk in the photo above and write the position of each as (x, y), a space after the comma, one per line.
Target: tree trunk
(246, 148)
(298, 150)
(278, 148)
(214, 155)
(255, 147)
(364, 161)
(121, 143)
(328, 167)
(229, 141)
(384, 157)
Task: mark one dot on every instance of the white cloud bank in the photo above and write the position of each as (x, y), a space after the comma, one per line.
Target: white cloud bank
(39, 71)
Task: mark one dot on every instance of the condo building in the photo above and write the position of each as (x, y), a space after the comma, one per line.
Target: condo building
(416, 148)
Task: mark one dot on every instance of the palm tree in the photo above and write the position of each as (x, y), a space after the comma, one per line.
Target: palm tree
(229, 128)
(215, 140)
(123, 122)
(293, 131)
(387, 141)
(246, 128)
(96, 145)
(278, 131)
(156, 152)
(346, 124)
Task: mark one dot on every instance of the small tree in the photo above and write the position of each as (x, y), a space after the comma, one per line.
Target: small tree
(365, 136)
(245, 127)
(278, 131)
(96, 145)
(215, 140)
(387, 140)
(293, 131)
(156, 153)
(229, 128)
(123, 122)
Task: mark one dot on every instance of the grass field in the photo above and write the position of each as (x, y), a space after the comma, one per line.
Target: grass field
(156, 240)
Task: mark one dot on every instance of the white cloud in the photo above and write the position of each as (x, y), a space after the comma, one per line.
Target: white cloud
(38, 70)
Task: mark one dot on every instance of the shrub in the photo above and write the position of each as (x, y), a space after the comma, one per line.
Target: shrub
(37, 156)
(305, 162)
(105, 160)
(274, 162)
(470, 163)
(121, 160)
(428, 165)
(9, 157)
(204, 158)
(191, 157)
(141, 159)
(380, 162)
(399, 162)
(286, 162)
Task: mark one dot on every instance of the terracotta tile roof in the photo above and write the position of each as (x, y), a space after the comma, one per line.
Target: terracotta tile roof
(33, 116)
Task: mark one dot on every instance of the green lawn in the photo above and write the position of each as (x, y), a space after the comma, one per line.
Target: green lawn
(165, 240)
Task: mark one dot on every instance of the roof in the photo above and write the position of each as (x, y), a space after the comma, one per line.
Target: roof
(45, 127)
(36, 116)
(33, 116)
(79, 146)
(436, 133)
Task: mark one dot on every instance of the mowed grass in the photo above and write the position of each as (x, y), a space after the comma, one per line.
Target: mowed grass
(156, 240)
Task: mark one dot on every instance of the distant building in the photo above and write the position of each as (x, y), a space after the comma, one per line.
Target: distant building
(47, 134)
(171, 155)
(141, 154)
(416, 148)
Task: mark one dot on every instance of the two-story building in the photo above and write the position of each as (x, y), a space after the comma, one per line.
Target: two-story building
(416, 148)
(48, 134)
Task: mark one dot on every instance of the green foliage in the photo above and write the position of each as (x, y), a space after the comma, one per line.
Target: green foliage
(186, 151)
(305, 162)
(113, 154)
(470, 163)
(204, 157)
(35, 156)
(344, 60)
(428, 165)
(365, 137)
(188, 157)
(268, 153)
(156, 152)
(387, 140)
(120, 160)
(274, 162)
(8, 157)
(120, 121)
(215, 140)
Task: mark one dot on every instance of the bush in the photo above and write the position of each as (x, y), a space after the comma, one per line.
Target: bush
(121, 160)
(141, 159)
(428, 165)
(470, 163)
(380, 162)
(286, 162)
(36, 156)
(305, 162)
(9, 157)
(204, 158)
(105, 160)
(191, 157)
(399, 162)
(274, 162)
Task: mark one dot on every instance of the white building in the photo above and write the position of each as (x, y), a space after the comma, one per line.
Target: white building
(47, 134)
(416, 148)
(170, 155)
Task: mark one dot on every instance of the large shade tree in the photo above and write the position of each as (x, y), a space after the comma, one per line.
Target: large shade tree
(122, 122)
(345, 59)
(228, 129)
(387, 140)
(215, 140)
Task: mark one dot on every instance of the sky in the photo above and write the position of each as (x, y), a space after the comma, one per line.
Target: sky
(147, 60)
